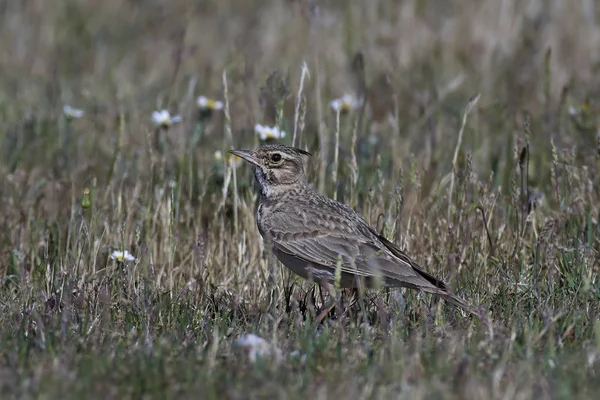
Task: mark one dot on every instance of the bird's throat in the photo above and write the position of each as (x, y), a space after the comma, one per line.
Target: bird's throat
(264, 186)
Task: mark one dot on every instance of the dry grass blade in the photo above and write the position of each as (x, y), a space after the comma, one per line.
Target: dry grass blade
(297, 115)
(470, 105)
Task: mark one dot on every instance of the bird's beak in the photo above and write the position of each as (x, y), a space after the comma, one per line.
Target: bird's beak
(246, 155)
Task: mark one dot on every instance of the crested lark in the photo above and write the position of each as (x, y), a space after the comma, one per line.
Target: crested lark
(310, 233)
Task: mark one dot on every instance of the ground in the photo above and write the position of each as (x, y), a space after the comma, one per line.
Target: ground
(476, 151)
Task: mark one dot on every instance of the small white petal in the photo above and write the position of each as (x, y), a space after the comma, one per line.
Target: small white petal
(163, 118)
(157, 117)
(256, 347)
(573, 111)
(268, 132)
(346, 102)
(122, 256)
(71, 112)
(206, 103)
(335, 104)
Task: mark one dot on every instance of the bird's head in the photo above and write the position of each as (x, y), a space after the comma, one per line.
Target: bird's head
(277, 167)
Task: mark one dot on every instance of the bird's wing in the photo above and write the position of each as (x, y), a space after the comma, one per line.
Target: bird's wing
(321, 249)
(360, 250)
(403, 257)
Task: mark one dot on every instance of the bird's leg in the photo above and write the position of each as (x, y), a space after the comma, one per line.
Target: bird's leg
(312, 304)
(345, 294)
(344, 305)
(321, 295)
(288, 291)
(304, 305)
(325, 311)
(329, 306)
(352, 295)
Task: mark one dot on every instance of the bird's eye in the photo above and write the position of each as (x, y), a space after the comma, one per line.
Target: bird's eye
(276, 157)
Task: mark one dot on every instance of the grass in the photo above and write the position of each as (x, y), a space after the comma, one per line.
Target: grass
(498, 196)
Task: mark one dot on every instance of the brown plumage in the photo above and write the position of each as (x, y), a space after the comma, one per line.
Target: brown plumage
(310, 234)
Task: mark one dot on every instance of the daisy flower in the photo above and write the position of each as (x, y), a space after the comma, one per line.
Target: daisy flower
(256, 347)
(573, 111)
(122, 256)
(268, 132)
(72, 113)
(345, 103)
(164, 119)
(232, 160)
(583, 109)
(205, 103)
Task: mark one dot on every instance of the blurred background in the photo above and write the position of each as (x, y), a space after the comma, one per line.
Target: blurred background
(134, 57)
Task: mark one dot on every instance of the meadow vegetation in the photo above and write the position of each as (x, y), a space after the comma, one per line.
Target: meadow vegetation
(477, 152)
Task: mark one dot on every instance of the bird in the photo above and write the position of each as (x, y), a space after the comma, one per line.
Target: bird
(315, 236)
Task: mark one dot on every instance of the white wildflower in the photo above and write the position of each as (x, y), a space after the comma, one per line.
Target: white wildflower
(72, 113)
(345, 103)
(256, 347)
(122, 256)
(231, 160)
(164, 119)
(206, 103)
(573, 111)
(268, 132)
